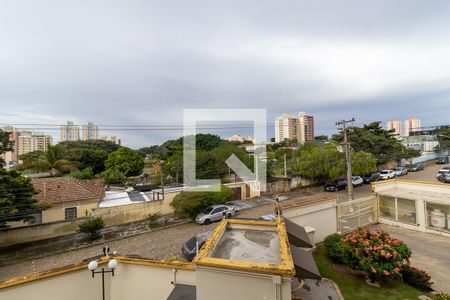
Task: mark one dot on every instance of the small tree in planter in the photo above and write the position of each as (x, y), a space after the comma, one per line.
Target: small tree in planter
(379, 255)
(92, 227)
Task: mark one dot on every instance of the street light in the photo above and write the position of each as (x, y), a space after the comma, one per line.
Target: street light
(112, 264)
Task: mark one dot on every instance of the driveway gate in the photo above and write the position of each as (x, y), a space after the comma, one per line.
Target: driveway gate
(356, 213)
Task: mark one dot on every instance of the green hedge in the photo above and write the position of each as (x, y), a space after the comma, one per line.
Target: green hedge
(189, 204)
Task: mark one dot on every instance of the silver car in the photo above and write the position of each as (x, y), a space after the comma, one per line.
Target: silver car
(400, 171)
(214, 213)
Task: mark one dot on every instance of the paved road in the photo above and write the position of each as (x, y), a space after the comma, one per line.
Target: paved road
(428, 174)
(430, 252)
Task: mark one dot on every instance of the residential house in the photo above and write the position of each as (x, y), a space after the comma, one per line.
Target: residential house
(70, 198)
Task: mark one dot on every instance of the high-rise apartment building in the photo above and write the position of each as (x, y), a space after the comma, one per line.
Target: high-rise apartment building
(300, 128)
(25, 142)
(305, 128)
(396, 125)
(90, 132)
(33, 141)
(111, 138)
(411, 125)
(13, 136)
(70, 132)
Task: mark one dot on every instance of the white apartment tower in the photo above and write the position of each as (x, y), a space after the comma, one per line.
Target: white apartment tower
(396, 125)
(411, 125)
(90, 132)
(70, 132)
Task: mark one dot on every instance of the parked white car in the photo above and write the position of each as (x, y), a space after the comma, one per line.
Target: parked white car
(400, 171)
(357, 180)
(387, 174)
(214, 213)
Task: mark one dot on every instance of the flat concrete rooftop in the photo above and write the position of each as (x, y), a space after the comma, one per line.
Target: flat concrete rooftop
(248, 245)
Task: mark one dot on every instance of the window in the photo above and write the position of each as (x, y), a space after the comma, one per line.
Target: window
(438, 216)
(406, 210)
(387, 207)
(399, 209)
(71, 213)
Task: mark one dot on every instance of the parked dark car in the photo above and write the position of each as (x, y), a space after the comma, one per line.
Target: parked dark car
(415, 168)
(335, 185)
(368, 178)
(189, 248)
(442, 160)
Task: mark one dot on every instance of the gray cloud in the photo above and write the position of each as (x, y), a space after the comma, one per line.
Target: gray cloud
(142, 62)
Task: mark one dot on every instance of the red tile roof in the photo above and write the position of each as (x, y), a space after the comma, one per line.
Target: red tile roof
(67, 189)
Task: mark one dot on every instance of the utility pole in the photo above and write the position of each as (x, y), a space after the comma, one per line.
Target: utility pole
(162, 177)
(348, 162)
(285, 168)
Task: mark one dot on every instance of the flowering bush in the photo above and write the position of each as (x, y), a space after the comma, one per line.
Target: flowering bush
(378, 254)
(416, 278)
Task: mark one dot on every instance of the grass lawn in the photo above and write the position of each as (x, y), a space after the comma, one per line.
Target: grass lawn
(354, 287)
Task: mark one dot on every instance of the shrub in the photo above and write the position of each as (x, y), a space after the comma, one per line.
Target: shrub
(416, 278)
(378, 254)
(333, 246)
(152, 218)
(84, 174)
(189, 204)
(92, 227)
(442, 296)
(112, 176)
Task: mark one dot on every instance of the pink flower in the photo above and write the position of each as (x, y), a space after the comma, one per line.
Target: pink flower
(397, 270)
(372, 269)
(386, 273)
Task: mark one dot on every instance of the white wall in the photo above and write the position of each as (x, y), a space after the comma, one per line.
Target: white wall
(71, 286)
(228, 284)
(321, 216)
(134, 282)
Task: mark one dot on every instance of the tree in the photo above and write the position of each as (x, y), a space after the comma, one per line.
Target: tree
(154, 150)
(92, 227)
(126, 160)
(363, 162)
(89, 145)
(322, 163)
(83, 174)
(88, 158)
(16, 198)
(53, 162)
(113, 176)
(326, 162)
(444, 139)
(372, 138)
(189, 204)
(5, 143)
(222, 153)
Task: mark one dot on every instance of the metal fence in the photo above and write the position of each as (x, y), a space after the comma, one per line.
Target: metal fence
(356, 213)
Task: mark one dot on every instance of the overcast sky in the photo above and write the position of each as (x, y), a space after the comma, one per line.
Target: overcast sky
(141, 62)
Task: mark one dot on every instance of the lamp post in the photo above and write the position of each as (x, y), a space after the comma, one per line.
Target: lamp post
(112, 264)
